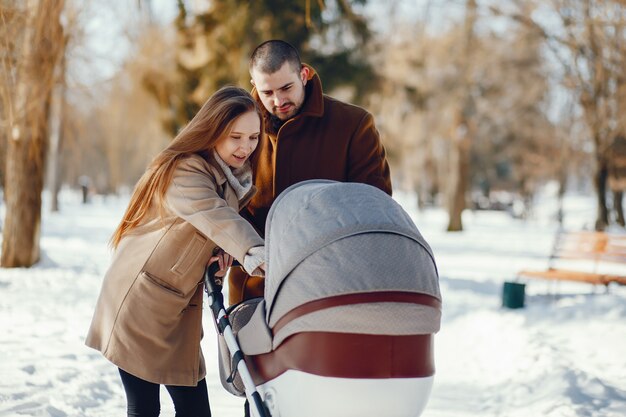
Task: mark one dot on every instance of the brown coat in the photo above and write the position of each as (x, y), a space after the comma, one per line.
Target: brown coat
(148, 318)
(328, 139)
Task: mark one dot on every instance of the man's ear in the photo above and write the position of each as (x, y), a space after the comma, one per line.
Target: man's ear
(304, 74)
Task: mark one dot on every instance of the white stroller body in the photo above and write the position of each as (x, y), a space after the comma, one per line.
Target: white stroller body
(351, 306)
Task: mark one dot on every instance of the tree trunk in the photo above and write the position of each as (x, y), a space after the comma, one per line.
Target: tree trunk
(560, 214)
(3, 159)
(10, 42)
(459, 175)
(20, 243)
(29, 131)
(458, 180)
(56, 139)
(618, 196)
(602, 219)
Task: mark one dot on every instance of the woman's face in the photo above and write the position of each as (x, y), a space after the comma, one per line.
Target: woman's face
(241, 141)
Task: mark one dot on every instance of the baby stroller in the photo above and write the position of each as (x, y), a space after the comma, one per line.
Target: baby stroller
(351, 304)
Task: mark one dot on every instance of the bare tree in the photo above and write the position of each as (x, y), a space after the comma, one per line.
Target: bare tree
(57, 120)
(33, 37)
(111, 133)
(464, 109)
(463, 127)
(73, 39)
(589, 45)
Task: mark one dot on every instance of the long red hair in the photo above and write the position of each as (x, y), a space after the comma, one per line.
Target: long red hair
(212, 123)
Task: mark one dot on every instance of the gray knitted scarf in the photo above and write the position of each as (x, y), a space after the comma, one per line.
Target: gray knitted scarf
(238, 178)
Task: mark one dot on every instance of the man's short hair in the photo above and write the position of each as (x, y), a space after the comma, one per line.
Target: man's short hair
(270, 56)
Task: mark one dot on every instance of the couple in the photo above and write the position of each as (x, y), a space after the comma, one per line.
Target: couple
(205, 199)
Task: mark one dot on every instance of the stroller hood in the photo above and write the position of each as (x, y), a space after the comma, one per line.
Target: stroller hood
(312, 216)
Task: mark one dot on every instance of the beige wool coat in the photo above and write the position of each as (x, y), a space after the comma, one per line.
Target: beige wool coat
(148, 317)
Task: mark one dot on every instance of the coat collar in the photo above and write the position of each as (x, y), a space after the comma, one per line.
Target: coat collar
(215, 170)
(313, 101)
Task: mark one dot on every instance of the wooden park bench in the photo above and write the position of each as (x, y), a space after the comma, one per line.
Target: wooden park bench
(592, 257)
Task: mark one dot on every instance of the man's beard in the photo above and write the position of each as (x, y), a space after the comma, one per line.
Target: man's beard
(276, 122)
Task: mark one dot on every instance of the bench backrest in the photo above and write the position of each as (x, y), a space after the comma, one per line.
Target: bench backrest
(595, 246)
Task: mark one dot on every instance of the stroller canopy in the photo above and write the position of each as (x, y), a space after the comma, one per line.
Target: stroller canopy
(325, 238)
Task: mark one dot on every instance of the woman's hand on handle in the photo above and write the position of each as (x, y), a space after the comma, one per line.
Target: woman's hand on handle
(224, 260)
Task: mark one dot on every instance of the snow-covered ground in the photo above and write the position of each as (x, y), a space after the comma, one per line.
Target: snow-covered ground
(557, 357)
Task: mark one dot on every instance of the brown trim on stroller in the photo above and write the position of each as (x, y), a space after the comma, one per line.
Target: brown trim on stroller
(347, 355)
(359, 298)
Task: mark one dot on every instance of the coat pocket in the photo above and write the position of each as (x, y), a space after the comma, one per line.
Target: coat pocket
(152, 310)
(189, 255)
(163, 285)
(179, 258)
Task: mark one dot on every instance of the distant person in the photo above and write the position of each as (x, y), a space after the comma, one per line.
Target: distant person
(85, 182)
(309, 135)
(182, 216)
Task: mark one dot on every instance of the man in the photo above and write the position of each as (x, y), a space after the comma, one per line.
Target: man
(308, 136)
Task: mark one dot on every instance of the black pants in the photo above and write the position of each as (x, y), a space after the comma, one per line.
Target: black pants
(143, 398)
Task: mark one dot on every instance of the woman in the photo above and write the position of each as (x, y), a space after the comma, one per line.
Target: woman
(183, 214)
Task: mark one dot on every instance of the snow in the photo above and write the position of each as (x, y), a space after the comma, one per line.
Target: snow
(561, 356)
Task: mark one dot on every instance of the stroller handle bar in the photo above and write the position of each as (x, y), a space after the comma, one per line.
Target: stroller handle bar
(213, 287)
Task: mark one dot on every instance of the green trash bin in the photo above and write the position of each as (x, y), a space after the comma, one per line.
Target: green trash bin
(513, 294)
